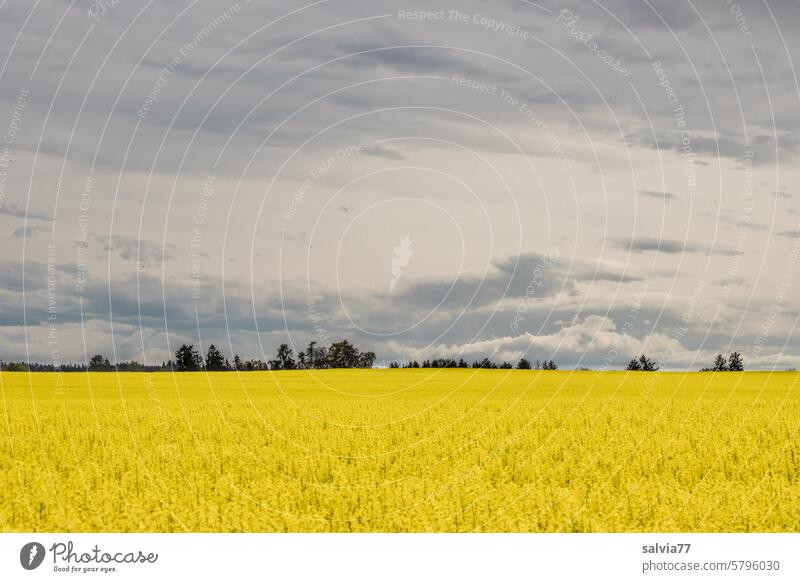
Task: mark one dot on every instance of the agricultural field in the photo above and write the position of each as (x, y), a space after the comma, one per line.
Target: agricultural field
(400, 450)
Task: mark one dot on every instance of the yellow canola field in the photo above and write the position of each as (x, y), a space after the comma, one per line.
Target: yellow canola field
(400, 450)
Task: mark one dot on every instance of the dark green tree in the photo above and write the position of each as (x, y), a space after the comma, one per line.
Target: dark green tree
(549, 365)
(309, 354)
(523, 364)
(486, 364)
(316, 358)
(342, 354)
(99, 364)
(366, 359)
(284, 359)
(735, 363)
(215, 361)
(14, 366)
(251, 365)
(720, 364)
(188, 359)
(647, 365)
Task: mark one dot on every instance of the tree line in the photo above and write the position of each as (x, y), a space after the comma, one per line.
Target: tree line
(734, 363)
(341, 354)
(485, 363)
(98, 363)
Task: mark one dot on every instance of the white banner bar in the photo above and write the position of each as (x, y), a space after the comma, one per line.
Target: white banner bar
(401, 557)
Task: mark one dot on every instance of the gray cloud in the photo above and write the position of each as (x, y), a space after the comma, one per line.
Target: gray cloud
(30, 231)
(663, 196)
(133, 249)
(31, 276)
(383, 152)
(643, 245)
(531, 274)
(14, 210)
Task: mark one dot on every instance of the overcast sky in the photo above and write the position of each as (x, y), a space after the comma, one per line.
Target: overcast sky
(577, 181)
